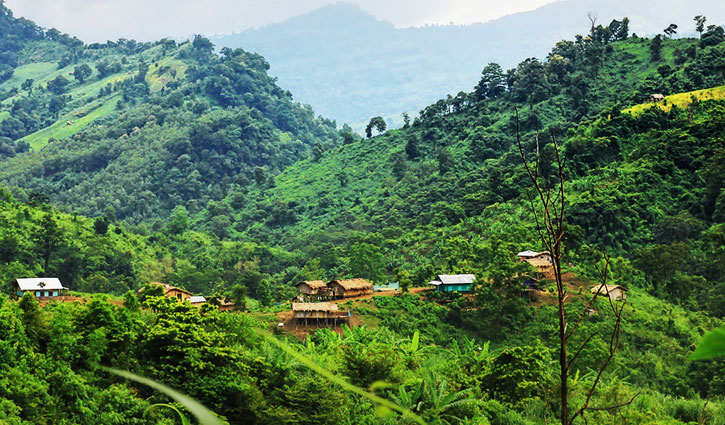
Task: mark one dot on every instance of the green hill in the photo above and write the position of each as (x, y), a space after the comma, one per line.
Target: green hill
(143, 127)
(432, 197)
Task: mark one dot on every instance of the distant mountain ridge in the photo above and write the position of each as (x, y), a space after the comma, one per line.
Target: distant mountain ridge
(350, 66)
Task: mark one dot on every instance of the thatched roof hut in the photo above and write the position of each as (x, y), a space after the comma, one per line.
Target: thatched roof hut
(345, 288)
(328, 312)
(310, 287)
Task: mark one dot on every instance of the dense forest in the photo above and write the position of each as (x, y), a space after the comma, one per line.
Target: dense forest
(167, 162)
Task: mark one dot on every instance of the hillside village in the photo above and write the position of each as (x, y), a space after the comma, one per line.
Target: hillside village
(317, 301)
(171, 216)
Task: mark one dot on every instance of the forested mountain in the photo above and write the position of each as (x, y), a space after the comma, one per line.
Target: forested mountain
(350, 66)
(202, 173)
(142, 127)
(409, 196)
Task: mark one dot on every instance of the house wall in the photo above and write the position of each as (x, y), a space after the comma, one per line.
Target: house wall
(617, 294)
(454, 288)
(546, 257)
(179, 295)
(40, 294)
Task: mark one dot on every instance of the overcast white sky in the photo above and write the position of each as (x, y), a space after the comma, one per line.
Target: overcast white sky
(143, 20)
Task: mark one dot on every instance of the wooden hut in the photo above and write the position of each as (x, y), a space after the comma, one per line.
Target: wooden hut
(311, 287)
(615, 292)
(313, 290)
(319, 313)
(171, 291)
(346, 288)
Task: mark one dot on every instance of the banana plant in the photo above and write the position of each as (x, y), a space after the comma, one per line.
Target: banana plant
(441, 400)
(410, 400)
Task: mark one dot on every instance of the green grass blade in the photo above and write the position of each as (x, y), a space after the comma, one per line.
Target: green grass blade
(184, 421)
(203, 415)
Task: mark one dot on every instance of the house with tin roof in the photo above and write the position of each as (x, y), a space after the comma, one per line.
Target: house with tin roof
(41, 287)
(453, 282)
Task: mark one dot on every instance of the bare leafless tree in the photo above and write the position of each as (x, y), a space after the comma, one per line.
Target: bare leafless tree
(593, 20)
(548, 205)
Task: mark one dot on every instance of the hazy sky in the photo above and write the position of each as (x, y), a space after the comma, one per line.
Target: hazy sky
(101, 20)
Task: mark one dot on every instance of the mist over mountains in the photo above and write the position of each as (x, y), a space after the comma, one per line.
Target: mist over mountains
(350, 66)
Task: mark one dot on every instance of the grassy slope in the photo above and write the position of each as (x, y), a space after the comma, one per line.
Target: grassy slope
(85, 105)
(72, 122)
(681, 100)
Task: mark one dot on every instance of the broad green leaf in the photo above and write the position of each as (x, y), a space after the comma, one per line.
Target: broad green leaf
(712, 346)
(203, 415)
(415, 342)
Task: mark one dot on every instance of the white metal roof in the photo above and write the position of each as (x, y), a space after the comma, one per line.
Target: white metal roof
(197, 299)
(527, 254)
(435, 282)
(34, 284)
(453, 279)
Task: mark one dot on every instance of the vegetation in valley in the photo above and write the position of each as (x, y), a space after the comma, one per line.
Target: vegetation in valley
(166, 162)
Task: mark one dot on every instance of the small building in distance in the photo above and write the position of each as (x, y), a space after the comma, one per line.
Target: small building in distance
(346, 288)
(225, 305)
(319, 313)
(311, 287)
(657, 97)
(530, 255)
(41, 287)
(453, 282)
(171, 291)
(392, 286)
(197, 300)
(542, 262)
(615, 292)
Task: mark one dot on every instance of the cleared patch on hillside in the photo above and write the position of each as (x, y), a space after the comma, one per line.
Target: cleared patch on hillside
(165, 71)
(72, 122)
(681, 100)
(37, 71)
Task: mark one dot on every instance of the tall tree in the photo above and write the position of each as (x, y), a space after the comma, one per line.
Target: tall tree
(548, 204)
(700, 24)
(47, 237)
(377, 123)
(655, 47)
(81, 72)
(671, 30)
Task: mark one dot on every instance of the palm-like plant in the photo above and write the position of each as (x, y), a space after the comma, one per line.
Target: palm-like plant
(440, 400)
